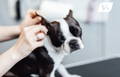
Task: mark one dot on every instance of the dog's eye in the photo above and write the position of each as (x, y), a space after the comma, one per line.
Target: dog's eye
(75, 31)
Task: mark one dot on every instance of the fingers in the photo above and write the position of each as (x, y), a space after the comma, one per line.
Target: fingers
(37, 29)
(40, 36)
(36, 20)
(42, 29)
(34, 39)
(33, 17)
(31, 13)
(40, 40)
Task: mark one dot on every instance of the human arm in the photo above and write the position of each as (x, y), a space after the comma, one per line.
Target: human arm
(26, 42)
(11, 32)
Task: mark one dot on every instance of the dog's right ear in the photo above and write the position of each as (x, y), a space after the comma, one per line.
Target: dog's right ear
(70, 14)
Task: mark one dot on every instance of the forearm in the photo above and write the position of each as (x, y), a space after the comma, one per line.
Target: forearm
(7, 60)
(9, 32)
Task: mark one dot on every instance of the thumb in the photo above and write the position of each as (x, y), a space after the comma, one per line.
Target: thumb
(31, 13)
(36, 20)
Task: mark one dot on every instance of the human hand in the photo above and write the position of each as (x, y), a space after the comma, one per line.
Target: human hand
(30, 38)
(31, 18)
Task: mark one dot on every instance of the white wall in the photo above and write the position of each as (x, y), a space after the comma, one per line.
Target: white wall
(5, 20)
(113, 30)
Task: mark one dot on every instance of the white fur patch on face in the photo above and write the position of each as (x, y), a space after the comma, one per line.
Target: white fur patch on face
(66, 33)
(65, 28)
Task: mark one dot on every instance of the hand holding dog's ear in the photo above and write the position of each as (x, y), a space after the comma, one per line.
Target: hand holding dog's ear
(31, 18)
(31, 36)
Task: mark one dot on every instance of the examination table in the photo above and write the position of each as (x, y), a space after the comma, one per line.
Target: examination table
(106, 68)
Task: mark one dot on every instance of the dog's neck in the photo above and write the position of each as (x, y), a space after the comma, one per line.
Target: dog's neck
(57, 54)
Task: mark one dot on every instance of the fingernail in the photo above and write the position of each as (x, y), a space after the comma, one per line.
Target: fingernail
(40, 36)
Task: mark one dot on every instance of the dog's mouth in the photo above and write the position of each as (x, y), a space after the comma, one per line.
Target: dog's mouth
(69, 49)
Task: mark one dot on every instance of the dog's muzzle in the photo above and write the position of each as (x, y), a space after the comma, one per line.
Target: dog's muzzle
(73, 44)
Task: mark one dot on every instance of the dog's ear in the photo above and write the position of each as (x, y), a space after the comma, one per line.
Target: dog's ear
(71, 20)
(70, 14)
(55, 25)
(46, 23)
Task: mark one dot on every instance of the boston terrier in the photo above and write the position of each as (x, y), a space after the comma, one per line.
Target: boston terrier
(64, 36)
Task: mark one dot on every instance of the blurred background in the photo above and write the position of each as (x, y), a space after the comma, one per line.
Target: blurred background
(100, 29)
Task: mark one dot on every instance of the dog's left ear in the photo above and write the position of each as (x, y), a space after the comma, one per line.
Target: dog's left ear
(70, 14)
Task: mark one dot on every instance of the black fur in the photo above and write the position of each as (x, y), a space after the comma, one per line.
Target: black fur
(74, 26)
(54, 32)
(39, 62)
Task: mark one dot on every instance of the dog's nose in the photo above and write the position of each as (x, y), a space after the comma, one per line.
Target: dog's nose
(74, 45)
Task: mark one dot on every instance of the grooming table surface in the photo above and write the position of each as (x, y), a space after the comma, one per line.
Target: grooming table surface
(107, 68)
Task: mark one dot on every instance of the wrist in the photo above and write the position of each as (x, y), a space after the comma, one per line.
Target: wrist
(21, 48)
(11, 57)
(16, 30)
(15, 54)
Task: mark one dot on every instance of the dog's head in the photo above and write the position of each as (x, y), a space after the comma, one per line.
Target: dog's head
(65, 33)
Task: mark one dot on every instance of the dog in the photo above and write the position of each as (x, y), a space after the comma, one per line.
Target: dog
(64, 37)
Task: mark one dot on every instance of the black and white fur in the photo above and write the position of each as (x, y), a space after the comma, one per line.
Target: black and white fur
(64, 37)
